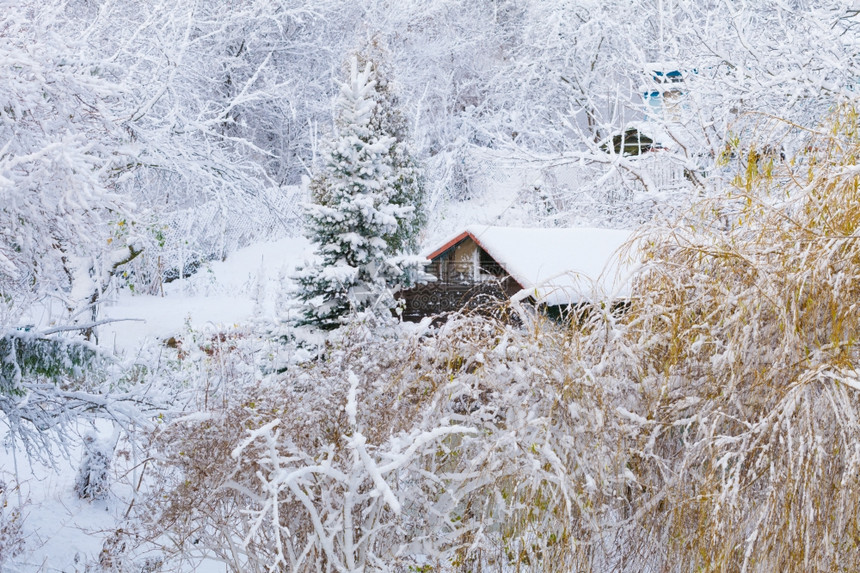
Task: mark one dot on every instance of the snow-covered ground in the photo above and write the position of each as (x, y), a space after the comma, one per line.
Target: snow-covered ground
(226, 292)
(62, 532)
(65, 533)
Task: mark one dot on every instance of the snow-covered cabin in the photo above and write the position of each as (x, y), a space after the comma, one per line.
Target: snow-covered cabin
(556, 268)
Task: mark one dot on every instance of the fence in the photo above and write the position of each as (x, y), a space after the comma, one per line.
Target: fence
(440, 297)
(179, 242)
(465, 273)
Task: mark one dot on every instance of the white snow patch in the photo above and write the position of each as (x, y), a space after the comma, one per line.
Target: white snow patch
(225, 293)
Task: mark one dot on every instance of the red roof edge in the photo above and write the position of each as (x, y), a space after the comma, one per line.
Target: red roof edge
(454, 241)
(450, 244)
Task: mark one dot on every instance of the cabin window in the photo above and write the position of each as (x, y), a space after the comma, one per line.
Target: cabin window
(631, 142)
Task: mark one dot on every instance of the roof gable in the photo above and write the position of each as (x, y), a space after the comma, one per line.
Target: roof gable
(563, 266)
(450, 243)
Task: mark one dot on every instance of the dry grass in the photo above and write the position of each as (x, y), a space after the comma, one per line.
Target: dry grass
(747, 350)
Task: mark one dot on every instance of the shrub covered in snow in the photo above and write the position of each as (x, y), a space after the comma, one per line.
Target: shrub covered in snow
(398, 450)
(93, 479)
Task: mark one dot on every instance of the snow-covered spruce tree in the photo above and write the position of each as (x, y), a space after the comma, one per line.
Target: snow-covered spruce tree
(363, 218)
(407, 186)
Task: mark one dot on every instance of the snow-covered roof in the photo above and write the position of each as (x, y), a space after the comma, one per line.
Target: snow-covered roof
(561, 266)
(664, 72)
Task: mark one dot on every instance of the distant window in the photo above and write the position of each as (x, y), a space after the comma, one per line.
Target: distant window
(631, 142)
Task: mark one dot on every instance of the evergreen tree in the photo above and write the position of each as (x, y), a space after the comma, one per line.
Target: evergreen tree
(363, 221)
(407, 189)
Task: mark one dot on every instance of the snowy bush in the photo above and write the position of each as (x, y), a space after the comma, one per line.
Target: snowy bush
(93, 479)
(743, 342)
(399, 450)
